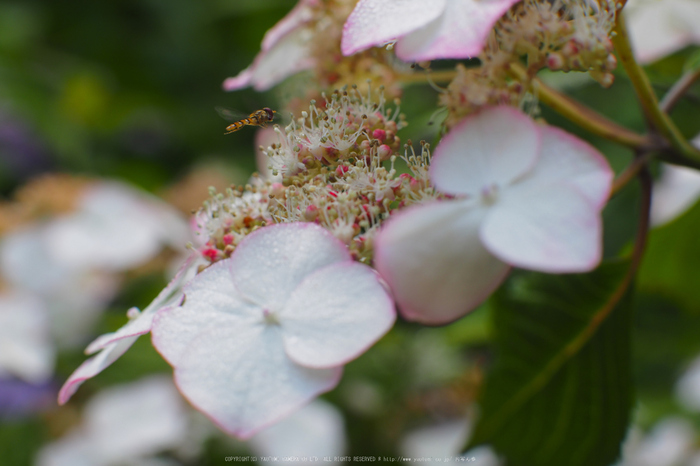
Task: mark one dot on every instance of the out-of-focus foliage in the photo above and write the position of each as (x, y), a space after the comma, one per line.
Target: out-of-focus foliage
(125, 88)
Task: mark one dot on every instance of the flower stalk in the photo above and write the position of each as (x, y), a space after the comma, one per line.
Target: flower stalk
(578, 113)
(659, 120)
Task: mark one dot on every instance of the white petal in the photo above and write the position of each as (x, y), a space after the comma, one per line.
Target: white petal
(242, 379)
(211, 301)
(674, 192)
(551, 229)
(564, 158)
(315, 430)
(271, 262)
(493, 147)
(434, 262)
(94, 366)
(335, 314)
(375, 22)
(459, 32)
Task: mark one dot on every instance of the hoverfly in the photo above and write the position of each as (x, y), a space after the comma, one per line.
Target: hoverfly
(257, 118)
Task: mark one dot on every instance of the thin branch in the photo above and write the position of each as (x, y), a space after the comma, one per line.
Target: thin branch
(630, 172)
(678, 90)
(581, 115)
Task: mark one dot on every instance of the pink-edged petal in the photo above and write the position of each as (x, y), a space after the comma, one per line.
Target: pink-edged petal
(492, 148)
(141, 324)
(288, 56)
(134, 328)
(434, 262)
(301, 14)
(240, 81)
(552, 229)
(375, 22)
(674, 192)
(244, 381)
(459, 32)
(94, 366)
(335, 314)
(564, 158)
(271, 262)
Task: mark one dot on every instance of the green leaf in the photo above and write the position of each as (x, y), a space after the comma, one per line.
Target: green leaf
(670, 262)
(693, 62)
(560, 389)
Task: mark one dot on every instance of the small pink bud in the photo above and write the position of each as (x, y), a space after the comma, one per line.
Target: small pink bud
(311, 213)
(384, 152)
(228, 238)
(570, 49)
(610, 63)
(555, 61)
(277, 190)
(210, 253)
(341, 170)
(379, 134)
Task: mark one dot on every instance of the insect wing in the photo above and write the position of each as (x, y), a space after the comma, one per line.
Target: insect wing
(230, 114)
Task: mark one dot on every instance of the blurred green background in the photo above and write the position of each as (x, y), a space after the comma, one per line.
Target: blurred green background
(126, 88)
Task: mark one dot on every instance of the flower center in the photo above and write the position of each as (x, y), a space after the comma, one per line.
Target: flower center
(489, 194)
(270, 317)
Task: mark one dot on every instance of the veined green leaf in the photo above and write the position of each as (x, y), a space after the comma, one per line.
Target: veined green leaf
(559, 392)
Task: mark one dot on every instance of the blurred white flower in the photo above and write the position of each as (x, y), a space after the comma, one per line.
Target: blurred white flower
(676, 190)
(317, 430)
(669, 443)
(661, 27)
(262, 333)
(73, 296)
(115, 228)
(124, 425)
(26, 349)
(688, 386)
(445, 441)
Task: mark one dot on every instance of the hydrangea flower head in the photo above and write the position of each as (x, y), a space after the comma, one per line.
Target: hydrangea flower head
(263, 332)
(523, 195)
(423, 30)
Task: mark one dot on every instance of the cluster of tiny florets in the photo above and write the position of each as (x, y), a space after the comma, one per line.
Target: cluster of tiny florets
(562, 35)
(333, 166)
